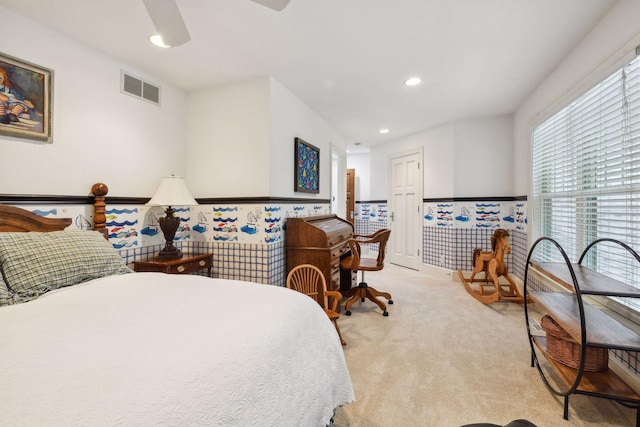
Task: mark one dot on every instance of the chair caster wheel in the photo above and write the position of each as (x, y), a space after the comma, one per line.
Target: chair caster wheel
(390, 301)
(362, 299)
(385, 314)
(348, 312)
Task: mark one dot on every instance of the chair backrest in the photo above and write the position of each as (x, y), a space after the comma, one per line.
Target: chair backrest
(309, 280)
(380, 238)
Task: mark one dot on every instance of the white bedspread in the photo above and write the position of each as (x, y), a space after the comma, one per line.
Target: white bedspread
(151, 349)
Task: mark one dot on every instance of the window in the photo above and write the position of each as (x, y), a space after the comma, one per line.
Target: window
(586, 177)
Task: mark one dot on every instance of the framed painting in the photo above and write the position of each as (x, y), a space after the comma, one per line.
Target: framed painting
(307, 167)
(25, 99)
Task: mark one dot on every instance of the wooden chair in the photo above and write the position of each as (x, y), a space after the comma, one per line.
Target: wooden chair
(309, 280)
(355, 262)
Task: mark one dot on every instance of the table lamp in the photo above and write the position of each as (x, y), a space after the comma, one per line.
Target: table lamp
(172, 191)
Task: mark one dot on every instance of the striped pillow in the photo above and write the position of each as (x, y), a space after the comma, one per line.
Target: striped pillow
(34, 263)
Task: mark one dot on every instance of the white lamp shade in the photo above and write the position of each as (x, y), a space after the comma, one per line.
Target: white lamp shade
(172, 191)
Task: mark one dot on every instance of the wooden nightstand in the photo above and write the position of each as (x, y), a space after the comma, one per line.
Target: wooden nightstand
(189, 263)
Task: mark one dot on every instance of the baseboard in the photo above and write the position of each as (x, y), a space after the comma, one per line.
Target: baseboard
(433, 270)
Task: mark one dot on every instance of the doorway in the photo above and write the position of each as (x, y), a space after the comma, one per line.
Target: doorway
(405, 209)
(351, 198)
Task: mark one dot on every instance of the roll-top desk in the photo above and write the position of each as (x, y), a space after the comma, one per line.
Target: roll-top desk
(321, 241)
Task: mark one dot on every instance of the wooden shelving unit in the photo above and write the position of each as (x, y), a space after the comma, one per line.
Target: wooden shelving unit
(603, 384)
(587, 325)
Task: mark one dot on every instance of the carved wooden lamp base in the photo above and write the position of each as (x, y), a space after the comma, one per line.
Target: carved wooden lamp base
(169, 225)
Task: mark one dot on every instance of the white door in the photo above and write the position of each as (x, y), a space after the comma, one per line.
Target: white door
(405, 207)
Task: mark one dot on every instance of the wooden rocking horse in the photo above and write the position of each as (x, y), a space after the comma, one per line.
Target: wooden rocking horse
(493, 266)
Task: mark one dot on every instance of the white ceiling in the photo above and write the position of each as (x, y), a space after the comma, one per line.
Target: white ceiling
(347, 59)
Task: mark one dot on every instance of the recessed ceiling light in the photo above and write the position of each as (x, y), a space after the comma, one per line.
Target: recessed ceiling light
(413, 81)
(156, 39)
(384, 130)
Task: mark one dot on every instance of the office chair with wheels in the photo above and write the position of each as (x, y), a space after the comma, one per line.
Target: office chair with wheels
(355, 262)
(309, 280)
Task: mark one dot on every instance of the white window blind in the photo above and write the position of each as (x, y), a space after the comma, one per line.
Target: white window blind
(586, 177)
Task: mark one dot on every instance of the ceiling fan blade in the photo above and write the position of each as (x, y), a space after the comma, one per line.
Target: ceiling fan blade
(168, 21)
(273, 4)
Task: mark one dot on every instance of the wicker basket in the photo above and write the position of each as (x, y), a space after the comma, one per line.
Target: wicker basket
(562, 348)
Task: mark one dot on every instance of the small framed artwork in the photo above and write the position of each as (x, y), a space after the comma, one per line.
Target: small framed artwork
(307, 167)
(25, 99)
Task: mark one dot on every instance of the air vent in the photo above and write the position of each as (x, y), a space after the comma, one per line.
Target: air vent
(137, 87)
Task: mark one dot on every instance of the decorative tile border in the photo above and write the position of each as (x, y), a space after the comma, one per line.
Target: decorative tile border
(245, 235)
(247, 240)
(488, 214)
(371, 211)
(452, 229)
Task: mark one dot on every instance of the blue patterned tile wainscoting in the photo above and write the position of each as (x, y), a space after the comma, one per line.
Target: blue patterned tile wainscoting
(452, 229)
(452, 248)
(255, 262)
(247, 240)
(370, 217)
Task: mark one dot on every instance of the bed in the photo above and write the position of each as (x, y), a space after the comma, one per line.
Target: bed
(86, 341)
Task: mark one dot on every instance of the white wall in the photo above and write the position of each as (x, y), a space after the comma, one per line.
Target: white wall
(439, 162)
(99, 134)
(483, 152)
(103, 135)
(241, 136)
(230, 141)
(458, 155)
(227, 149)
(470, 158)
(609, 45)
(290, 118)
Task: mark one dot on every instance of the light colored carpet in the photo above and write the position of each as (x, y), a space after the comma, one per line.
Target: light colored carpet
(443, 359)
